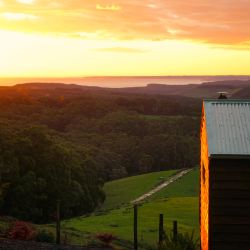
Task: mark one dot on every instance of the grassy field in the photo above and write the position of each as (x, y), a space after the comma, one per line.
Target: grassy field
(179, 201)
(121, 192)
(120, 221)
(187, 186)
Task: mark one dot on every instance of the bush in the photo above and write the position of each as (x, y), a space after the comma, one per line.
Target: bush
(93, 242)
(106, 238)
(182, 242)
(21, 230)
(44, 236)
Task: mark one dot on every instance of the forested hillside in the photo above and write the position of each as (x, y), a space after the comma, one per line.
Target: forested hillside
(57, 144)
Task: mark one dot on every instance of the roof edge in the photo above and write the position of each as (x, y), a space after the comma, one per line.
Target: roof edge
(229, 156)
(226, 100)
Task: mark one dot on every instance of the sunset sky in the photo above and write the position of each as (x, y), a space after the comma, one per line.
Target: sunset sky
(66, 38)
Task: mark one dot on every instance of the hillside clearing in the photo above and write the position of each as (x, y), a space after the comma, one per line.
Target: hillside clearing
(187, 186)
(161, 186)
(121, 192)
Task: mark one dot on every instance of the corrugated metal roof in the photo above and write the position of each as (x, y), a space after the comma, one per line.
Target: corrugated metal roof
(228, 127)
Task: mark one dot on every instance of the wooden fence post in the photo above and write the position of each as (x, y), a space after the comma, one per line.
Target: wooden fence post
(161, 230)
(58, 224)
(175, 230)
(135, 227)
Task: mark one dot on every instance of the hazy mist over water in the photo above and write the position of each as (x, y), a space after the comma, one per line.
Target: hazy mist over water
(123, 81)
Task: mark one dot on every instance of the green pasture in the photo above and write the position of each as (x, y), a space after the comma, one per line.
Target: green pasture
(122, 191)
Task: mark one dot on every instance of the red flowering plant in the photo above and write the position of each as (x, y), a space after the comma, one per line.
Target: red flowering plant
(21, 230)
(106, 238)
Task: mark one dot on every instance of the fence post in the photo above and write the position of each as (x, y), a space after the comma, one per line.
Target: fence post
(175, 230)
(161, 230)
(135, 227)
(58, 226)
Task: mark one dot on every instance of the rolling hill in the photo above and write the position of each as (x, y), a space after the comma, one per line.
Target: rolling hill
(235, 88)
(204, 90)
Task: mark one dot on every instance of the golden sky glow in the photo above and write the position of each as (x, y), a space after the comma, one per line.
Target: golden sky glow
(133, 37)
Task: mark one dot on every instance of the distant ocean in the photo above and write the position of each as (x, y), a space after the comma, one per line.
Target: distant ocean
(124, 81)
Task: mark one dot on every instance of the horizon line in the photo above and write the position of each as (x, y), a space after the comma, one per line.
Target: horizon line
(99, 76)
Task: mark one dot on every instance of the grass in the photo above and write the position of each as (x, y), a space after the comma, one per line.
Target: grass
(178, 201)
(121, 192)
(187, 186)
(120, 221)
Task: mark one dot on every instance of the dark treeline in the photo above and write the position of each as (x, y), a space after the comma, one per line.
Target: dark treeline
(38, 168)
(63, 147)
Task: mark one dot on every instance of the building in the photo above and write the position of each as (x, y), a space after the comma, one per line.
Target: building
(225, 175)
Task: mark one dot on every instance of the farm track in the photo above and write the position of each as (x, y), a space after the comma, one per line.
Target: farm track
(161, 186)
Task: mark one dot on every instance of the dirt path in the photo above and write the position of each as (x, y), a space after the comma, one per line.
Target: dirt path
(161, 186)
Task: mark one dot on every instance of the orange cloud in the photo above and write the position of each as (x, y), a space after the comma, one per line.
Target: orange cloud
(18, 16)
(120, 50)
(25, 1)
(108, 7)
(218, 22)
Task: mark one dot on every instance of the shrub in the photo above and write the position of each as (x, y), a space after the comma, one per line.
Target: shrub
(182, 242)
(44, 236)
(21, 230)
(93, 242)
(106, 238)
